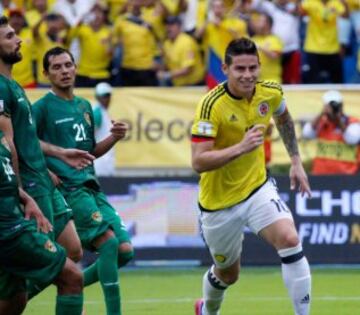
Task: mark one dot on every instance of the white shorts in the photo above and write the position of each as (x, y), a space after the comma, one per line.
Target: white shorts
(223, 230)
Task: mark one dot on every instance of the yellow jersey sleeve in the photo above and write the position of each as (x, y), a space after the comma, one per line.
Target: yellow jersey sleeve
(206, 122)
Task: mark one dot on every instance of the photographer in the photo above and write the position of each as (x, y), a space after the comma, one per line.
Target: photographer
(338, 138)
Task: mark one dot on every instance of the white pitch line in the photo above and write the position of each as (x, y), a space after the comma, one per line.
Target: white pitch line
(188, 299)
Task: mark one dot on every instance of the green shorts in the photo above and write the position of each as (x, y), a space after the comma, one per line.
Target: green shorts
(56, 210)
(30, 255)
(93, 215)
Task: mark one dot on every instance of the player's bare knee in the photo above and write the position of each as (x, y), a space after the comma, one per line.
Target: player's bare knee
(70, 280)
(126, 254)
(125, 247)
(289, 240)
(108, 234)
(75, 254)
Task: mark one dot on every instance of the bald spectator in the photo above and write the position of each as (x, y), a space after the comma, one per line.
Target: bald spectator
(182, 57)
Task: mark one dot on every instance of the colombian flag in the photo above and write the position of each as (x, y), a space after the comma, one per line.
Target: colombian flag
(217, 40)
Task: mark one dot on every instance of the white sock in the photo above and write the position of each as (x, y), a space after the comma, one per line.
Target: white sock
(213, 293)
(297, 278)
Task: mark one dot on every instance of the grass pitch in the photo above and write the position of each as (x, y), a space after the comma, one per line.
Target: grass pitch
(259, 291)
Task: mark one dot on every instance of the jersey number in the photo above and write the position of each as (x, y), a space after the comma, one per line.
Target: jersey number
(8, 169)
(280, 206)
(80, 132)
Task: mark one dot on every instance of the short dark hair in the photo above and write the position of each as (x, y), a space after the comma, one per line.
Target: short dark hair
(4, 20)
(56, 51)
(240, 46)
(269, 19)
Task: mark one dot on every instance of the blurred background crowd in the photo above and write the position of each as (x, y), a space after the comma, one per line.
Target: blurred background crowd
(182, 42)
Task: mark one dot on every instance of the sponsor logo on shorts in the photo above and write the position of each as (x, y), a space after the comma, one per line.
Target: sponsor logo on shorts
(220, 258)
(49, 245)
(97, 216)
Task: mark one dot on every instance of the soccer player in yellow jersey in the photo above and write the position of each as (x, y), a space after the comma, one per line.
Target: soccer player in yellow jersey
(235, 191)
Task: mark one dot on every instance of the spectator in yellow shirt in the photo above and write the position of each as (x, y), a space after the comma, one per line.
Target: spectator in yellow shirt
(217, 32)
(322, 47)
(34, 15)
(23, 71)
(46, 38)
(182, 56)
(94, 36)
(137, 41)
(270, 48)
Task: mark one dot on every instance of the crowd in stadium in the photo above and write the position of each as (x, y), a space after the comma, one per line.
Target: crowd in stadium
(182, 42)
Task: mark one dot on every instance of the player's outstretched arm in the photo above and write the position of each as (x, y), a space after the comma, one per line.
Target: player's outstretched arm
(117, 132)
(205, 158)
(285, 126)
(73, 157)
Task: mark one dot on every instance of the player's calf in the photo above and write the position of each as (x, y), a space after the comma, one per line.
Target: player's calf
(213, 291)
(297, 278)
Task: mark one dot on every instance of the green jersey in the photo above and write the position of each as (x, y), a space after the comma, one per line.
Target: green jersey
(67, 124)
(11, 217)
(32, 165)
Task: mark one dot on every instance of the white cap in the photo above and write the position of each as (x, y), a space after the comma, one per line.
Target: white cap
(332, 96)
(102, 89)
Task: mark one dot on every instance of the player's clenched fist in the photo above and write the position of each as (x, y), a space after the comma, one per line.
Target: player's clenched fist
(118, 129)
(253, 138)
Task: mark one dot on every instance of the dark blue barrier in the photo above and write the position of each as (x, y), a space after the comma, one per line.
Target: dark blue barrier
(328, 224)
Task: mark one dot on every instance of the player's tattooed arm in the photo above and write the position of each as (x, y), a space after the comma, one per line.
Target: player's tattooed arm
(286, 128)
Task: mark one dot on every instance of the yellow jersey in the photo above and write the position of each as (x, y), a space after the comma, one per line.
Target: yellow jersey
(43, 43)
(225, 119)
(184, 52)
(271, 69)
(138, 43)
(22, 71)
(322, 35)
(95, 51)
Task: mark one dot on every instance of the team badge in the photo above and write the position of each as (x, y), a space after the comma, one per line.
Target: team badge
(220, 258)
(49, 245)
(96, 216)
(263, 109)
(205, 128)
(87, 118)
(5, 143)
